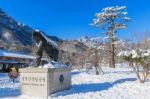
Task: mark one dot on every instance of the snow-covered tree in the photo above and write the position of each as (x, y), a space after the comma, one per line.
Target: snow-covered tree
(137, 58)
(111, 19)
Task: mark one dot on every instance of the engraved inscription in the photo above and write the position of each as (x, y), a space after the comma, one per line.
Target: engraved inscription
(34, 81)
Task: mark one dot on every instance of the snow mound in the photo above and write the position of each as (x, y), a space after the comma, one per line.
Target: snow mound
(55, 65)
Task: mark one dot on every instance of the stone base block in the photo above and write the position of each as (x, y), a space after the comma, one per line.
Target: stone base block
(41, 82)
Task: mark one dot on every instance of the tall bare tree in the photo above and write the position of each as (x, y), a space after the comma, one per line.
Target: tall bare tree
(95, 55)
(111, 19)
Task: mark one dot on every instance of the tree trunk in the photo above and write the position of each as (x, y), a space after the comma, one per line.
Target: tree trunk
(112, 46)
(144, 72)
(96, 62)
(112, 54)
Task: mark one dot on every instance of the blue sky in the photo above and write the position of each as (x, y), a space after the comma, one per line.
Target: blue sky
(69, 19)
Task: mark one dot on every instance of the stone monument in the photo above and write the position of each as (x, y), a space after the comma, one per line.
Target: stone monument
(41, 82)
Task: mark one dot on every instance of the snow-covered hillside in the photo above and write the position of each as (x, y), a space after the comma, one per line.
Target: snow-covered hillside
(119, 83)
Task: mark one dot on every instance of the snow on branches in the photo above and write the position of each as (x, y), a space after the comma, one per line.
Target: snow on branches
(135, 54)
(110, 13)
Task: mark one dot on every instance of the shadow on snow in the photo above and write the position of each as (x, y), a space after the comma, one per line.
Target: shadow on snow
(3, 75)
(84, 88)
(8, 89)
(75, 73)
(9, 92)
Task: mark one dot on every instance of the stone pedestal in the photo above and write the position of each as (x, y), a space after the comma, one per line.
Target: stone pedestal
(41, 82)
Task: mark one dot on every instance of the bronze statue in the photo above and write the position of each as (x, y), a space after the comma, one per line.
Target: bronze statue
(46, 45)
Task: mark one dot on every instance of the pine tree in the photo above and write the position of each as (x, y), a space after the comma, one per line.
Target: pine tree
(111, 19)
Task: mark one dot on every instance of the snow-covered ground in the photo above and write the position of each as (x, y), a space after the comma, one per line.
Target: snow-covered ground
(119, 83)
